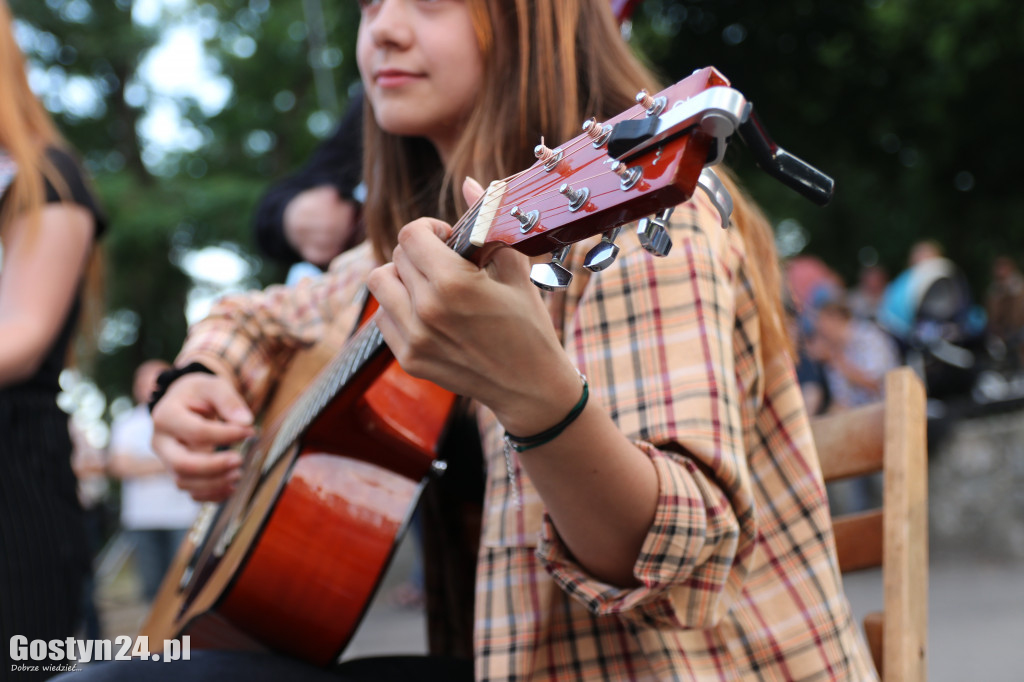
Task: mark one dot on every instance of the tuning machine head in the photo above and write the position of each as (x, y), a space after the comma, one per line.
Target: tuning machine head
(653, 105)
(653, 233)
(717, 193)
(604, 252)
(553, 275)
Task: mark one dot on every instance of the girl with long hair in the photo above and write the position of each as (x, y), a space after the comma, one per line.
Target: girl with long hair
(49, 222)
(662, 518)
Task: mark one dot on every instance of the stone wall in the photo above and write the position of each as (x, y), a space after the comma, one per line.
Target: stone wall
(976, 487)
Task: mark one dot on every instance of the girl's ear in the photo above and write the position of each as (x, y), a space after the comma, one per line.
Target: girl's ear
(471, 190)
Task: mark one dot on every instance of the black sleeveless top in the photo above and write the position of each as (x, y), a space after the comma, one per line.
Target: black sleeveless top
(77, 193)
(44, 555)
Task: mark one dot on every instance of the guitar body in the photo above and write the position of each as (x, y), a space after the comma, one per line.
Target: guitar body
(305, 544)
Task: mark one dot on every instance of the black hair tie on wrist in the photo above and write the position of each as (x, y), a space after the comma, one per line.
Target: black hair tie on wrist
(169, 376)
(520, 444)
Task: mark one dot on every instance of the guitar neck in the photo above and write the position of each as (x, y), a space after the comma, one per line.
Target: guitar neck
(325, 371)
(306, 402)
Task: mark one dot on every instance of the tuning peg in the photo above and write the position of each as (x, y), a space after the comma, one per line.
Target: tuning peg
(716, 191)
(527, 221)
(577, 197)
(604, 253)
(553, 275)
(597, 132)
(653, 105)
(548, 156)
(628, 176)
(653, 234)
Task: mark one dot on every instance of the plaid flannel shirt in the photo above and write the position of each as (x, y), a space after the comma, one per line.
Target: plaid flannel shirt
(738, 574)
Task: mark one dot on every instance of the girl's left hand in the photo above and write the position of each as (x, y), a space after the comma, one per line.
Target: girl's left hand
(481, 332)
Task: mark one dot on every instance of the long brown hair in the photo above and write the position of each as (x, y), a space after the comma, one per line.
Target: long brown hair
(26, 132)
(552, 65)
(522, 99)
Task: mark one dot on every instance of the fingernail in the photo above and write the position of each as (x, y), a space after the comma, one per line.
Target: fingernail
(242, 416)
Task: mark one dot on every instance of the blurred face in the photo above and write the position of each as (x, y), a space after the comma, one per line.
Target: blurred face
(873, 280)
(421, 67)
(1002, 269)
(923, 252)
(831, 327)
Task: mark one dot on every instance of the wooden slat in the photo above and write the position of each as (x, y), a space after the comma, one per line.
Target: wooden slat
(905, 498)
(874, 633)
(859, 540)
(889, 437)
(850, 443)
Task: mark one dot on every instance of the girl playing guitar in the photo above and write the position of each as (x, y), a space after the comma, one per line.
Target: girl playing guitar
(662, 518)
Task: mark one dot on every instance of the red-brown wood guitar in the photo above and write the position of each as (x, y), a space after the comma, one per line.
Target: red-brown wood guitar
(292, 559)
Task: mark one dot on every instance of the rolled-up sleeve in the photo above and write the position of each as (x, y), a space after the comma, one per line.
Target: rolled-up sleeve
(256, 334)
(661, 339)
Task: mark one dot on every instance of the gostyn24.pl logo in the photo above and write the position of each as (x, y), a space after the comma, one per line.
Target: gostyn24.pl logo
(62, 655)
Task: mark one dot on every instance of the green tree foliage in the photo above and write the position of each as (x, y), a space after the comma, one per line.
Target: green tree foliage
(909, 104)
(164, 202)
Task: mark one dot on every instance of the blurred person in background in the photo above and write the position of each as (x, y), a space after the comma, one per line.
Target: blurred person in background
(810, 373)
(856, 355)
(49, 223)
(865, 297)
(928, 308)
(312, 215)
(898, 308)
(155, 515)
(1004, 305)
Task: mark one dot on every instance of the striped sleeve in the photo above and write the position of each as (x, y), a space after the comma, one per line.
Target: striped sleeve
(256, 334)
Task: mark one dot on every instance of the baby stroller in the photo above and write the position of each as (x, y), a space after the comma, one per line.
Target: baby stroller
(928, 309)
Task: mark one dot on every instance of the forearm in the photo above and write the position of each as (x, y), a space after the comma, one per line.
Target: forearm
(601, 492)
(249, 339)
(127, 465)
(856, 377)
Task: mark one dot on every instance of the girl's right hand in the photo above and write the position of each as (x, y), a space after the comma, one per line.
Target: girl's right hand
(199, 415)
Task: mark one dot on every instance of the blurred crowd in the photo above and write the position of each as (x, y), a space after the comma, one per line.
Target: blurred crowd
(963, 346)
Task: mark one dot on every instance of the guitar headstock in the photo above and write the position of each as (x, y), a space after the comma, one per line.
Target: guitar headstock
(644, 161)
(579, 189)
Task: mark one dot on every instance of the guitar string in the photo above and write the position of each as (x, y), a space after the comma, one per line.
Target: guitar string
(560, 211)
(569, 151)
(372, 339)
(368, 339)
(336, 374)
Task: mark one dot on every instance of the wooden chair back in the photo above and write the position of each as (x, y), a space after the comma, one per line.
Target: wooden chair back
(887, 437)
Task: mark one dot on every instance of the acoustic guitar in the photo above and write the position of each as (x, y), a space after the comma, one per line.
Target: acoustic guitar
(292, 559)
